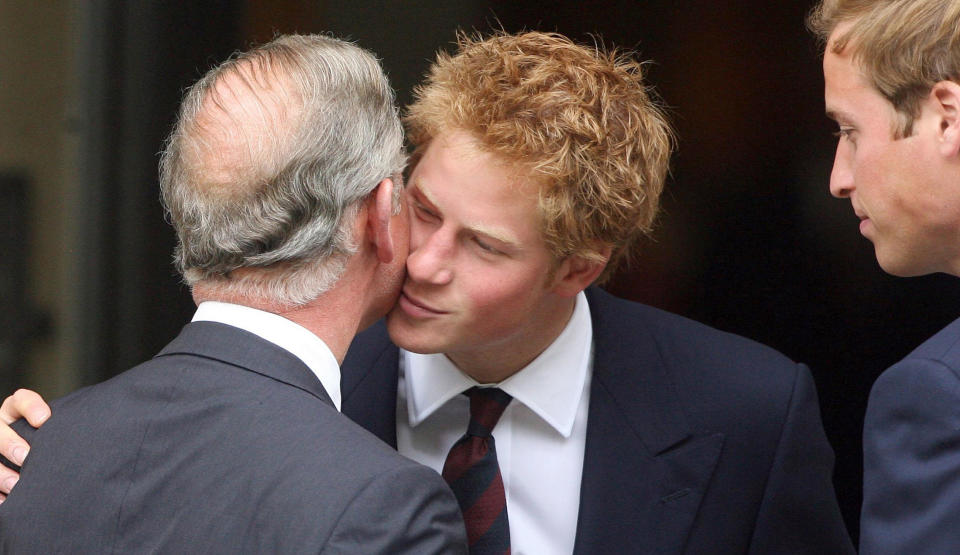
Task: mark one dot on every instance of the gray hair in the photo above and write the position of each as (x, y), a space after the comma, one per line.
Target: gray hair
(272, 153)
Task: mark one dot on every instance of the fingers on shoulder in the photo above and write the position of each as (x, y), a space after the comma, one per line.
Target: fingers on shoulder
(25, 404)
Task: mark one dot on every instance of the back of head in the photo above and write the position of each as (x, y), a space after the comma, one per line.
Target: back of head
(903, 47)
(579, 120)
(271, 154)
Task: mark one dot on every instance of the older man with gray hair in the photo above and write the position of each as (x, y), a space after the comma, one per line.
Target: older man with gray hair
(282, 180)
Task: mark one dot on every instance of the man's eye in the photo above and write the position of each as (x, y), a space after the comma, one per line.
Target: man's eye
(843, 133)
(486, 247)
(423, 212)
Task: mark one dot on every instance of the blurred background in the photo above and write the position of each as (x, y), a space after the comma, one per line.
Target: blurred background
(750, 240)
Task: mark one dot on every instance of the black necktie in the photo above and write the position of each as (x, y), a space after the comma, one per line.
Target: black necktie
(473, 473)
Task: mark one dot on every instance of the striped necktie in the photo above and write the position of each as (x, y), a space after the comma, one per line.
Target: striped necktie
(473, 473)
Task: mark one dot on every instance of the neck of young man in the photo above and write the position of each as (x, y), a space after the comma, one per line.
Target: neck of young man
(496, 362)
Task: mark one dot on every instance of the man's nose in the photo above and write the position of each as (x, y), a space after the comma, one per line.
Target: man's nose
(841, 178)
(431, 259)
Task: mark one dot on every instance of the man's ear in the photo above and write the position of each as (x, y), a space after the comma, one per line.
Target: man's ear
(576, 273)
(946, 99)
(379, 215)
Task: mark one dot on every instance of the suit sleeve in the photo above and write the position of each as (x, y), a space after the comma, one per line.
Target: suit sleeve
(911, 451)
(408, 510)
(799, 512)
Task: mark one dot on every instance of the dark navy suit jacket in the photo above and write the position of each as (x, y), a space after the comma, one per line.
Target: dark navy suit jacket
(698, 441)
(911, 453)
(223, 443)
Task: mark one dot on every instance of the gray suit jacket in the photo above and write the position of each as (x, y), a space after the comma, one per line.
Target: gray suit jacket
(911, 453)
(222, 443)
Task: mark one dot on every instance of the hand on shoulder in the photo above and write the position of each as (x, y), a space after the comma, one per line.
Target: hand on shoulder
(24, 404)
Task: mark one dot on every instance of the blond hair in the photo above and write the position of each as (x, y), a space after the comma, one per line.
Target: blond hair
(903, 47)
(579, 120)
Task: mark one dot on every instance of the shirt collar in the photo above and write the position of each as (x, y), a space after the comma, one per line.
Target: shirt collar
(284, 333)
(550, 386)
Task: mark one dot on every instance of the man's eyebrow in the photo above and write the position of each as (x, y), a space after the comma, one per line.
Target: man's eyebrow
(479, 228)
(496, 234)
(417, 185)
(838, 115)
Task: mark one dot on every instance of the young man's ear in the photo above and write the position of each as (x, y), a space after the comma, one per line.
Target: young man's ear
(379, 215)
(576, 273)
(946, 102)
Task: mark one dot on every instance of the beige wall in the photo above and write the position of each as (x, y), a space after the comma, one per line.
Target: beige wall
(37, 139)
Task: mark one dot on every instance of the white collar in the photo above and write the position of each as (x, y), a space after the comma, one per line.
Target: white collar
(550, 386)
(284, 333)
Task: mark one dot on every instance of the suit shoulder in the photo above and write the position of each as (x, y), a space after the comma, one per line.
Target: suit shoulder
(915, 385)
(408, 509)
(943, 348)
(332, 449)
(931, 372)
(680, 338)
(323, 445)
(910, 463)
(368, 346)
(724, 381)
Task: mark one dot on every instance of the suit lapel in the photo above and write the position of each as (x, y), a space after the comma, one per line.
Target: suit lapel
(246, 351)
(368, 383)
(645, 470)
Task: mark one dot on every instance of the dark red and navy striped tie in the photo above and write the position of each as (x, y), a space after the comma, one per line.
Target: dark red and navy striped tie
(474, 476)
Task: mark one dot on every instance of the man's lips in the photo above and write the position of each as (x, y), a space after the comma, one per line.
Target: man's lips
(858, 212)
(864, 221)
(416, 307)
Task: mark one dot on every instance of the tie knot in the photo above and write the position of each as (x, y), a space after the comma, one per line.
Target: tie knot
(486, 406)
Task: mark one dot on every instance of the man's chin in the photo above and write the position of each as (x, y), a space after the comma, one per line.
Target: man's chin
(901, 266)
(407, 337)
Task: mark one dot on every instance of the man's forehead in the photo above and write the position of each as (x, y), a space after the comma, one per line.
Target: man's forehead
(842, 80)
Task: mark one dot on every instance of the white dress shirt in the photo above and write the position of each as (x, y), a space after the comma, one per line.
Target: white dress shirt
(540, 438)
(286, 334)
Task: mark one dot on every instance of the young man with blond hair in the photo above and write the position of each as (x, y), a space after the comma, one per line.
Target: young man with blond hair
(892, 73)
(538, 166)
